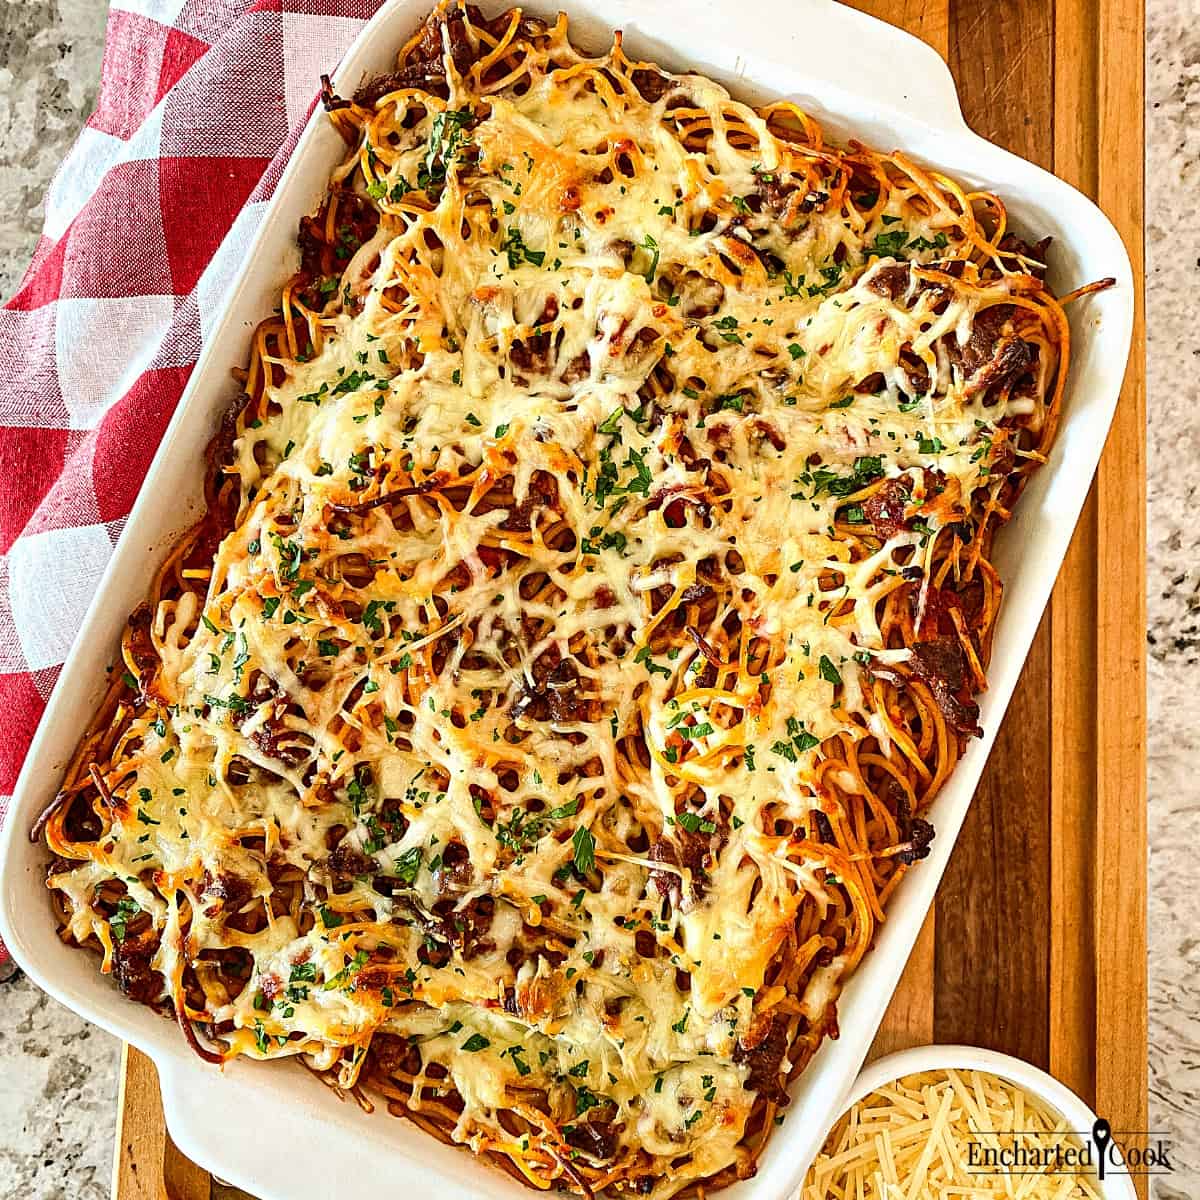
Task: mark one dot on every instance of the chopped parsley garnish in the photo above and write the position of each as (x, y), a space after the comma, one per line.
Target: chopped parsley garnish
(832, 276)
(784, 750)
(127, 909)
(289, 557)
(695, 823)
(828, 671)
(940, 242)
(611, 423)
(643, 657)
(866, 468)
(727, 327)
(446, 137)
(408, 864)
(800, 741)
(515, 1052)
(371, 618)
(887, 244)
(584, 845)
(352, 382)
(514, 246)
(651, 246)
(347, 973)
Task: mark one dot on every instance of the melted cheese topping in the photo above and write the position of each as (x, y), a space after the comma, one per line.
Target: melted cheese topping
(951, 1133)
(606, 366)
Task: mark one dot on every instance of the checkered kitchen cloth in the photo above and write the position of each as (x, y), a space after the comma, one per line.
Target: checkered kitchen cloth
(146, 224)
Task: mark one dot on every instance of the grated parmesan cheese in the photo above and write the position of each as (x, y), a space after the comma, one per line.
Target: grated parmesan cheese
(930, 1134)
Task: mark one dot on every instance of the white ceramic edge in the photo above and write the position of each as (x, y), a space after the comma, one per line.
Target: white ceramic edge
(906, 83)
(1074, 1110)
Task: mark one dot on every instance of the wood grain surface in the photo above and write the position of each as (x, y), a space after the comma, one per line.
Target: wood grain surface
(147, 1165)
(1037, 943)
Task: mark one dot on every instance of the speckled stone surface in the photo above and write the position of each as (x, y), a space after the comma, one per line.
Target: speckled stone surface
(58, 1075)
(1173, 352)
(49, 70)
(58, 1090)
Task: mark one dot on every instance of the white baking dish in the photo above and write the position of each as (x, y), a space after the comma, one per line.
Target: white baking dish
(274, 1129)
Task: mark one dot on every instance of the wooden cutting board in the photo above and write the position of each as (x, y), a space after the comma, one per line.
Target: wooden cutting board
(1037, 943)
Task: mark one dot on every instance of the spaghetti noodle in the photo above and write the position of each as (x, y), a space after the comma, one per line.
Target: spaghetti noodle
(592, 592)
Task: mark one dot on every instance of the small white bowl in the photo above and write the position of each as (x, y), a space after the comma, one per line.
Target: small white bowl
(974, 1058)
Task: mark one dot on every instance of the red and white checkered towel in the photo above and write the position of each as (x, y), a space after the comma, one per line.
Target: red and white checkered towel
(146, 224)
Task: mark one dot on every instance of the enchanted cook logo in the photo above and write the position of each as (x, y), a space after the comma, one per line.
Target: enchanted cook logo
(1098, 1151)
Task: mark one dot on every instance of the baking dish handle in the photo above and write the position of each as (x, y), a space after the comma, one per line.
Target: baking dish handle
(191, 1095)
(217, 1124)
(223, 1121)
(881, 62)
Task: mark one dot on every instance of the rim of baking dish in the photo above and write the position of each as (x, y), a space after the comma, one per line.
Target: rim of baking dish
(897, 82)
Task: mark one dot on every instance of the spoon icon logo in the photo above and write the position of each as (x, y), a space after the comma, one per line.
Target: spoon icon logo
(1102, 1136)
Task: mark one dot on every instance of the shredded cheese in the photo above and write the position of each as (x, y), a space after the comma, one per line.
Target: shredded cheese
(951, 1134)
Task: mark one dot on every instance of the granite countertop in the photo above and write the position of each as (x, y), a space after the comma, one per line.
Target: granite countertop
(1173, 585)
(58, 1076)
